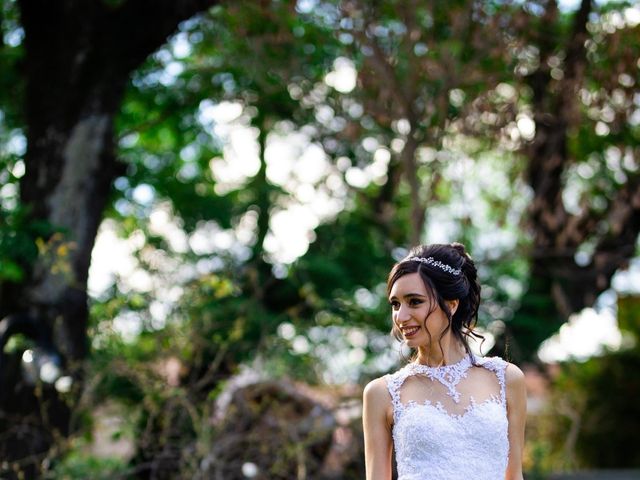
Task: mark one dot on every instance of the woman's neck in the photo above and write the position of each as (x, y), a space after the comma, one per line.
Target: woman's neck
(433, 356)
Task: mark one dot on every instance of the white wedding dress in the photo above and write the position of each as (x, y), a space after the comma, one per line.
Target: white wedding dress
(450, 422)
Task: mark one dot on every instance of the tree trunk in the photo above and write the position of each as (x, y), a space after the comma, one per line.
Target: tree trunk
(559, 285)
(78, 59)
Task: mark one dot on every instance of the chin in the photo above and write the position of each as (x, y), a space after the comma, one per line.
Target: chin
(414, 342)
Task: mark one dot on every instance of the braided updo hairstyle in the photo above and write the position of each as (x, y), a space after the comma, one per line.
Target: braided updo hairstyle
(442, 285)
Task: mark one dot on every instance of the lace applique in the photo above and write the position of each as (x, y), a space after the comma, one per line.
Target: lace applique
(498, 366)
(394, 382)
(425, 431)
(455, 416)
(447, 375)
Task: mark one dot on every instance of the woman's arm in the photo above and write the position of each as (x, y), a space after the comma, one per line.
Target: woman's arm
(516, 414)
(377, 430)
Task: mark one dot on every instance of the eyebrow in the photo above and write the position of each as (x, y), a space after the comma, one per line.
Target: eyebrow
(408, 295)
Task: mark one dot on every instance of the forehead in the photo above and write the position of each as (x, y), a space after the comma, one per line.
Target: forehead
(408, 284)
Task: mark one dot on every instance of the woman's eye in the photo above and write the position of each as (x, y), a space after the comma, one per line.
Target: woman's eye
(394, 305)
(415, 301)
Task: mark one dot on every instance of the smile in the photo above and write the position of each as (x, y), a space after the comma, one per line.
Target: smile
(410, 331)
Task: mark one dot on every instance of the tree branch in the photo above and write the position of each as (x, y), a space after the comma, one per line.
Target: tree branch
(129, 36)
(548, 154)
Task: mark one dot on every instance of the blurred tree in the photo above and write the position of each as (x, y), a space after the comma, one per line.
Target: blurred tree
(252, 67)
(247, 59)
(75, 62)
(587, 420)
(527, 77)
(419, 67)
(436, 85)
(421, 71)
(582, 162)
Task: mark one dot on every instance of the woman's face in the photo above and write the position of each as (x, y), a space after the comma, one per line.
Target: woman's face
(410, 307)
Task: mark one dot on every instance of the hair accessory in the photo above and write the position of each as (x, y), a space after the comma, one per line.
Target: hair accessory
(436, 263)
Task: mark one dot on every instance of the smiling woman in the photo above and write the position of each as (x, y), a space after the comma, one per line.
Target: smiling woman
(447, 413)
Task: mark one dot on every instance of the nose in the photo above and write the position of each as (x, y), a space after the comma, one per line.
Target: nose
(403, 314)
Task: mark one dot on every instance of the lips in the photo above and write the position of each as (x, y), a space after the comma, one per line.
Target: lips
(410, 331)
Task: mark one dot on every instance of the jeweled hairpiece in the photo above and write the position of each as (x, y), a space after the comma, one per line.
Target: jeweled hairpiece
(436, 263)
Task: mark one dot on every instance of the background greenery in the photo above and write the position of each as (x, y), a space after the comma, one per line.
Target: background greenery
(220, 347)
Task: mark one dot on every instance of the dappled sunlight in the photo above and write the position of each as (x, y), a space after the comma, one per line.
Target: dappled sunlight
(210, 298)
(586, 334)
(343, 76)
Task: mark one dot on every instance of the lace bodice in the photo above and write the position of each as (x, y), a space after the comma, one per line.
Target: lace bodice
(450, 422)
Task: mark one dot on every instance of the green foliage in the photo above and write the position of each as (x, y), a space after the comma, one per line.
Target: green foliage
(18, 248)
(592, 408)
(77, 465)
(446, 70)
(17, 234)
(588, 420)
(11, 53)
(271, 61)
(335, 263)
(629, 315)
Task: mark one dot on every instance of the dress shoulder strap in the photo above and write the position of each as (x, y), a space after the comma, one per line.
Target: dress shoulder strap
(394, 382)
(498, 366)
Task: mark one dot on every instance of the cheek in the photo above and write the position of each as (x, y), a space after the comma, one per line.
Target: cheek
(439, 320)
(425, 315)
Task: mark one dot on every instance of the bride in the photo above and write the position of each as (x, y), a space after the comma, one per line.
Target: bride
(448, 414)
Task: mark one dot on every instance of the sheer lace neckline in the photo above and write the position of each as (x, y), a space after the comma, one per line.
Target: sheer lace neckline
(465, 360)
(434, 417)
(448, 375)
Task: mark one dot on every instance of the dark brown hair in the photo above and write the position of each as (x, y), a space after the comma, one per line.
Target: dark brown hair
(442, 285)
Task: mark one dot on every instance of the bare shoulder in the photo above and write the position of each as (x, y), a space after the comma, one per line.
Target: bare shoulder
(513, 375)
(377, 401)
(516, 389)
(376, 391)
